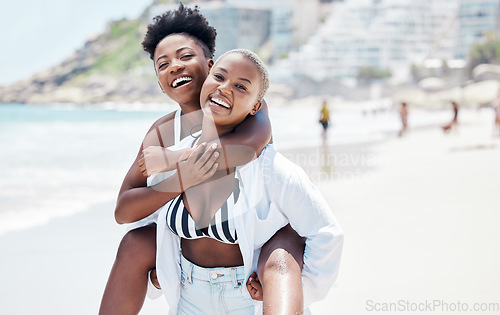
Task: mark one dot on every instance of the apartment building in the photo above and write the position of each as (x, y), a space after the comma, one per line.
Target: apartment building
(476, 19)
(383, 34)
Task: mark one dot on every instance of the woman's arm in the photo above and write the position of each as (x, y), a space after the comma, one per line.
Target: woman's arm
(157, 159)
(247, 141)
(239, 147)
(137, 201)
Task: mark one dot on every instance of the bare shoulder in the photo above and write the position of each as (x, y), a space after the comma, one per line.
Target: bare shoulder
(168, 118)
(161, 132)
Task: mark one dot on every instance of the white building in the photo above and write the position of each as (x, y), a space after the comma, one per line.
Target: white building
(476, 19)
(239, 24)
(291, 22)
(271, 28)
(384, 34)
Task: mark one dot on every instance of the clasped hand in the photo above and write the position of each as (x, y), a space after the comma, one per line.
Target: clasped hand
(194, 165)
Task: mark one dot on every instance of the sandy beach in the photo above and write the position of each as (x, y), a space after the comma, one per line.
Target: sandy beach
(420, 216)
(421, 229)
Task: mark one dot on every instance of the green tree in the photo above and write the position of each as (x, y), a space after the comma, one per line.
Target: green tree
(487, 52)
(415, 72)
(368, 74)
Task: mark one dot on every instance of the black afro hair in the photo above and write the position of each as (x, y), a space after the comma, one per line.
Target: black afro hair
(181, 21)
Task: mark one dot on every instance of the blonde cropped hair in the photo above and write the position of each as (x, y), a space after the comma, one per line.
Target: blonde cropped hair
(261, 67)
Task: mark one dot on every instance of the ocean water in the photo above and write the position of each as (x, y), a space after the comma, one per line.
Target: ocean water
(61, 159)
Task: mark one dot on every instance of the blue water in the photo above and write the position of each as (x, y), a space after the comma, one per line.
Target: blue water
(59, 160)
(43, 114)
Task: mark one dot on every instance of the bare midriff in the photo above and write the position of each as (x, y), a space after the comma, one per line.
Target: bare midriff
(209, 253)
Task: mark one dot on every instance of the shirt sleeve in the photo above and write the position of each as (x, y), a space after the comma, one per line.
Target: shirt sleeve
(311, 217)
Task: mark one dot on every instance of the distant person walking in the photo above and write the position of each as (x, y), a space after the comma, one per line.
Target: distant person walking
(324, 118)
(403, 113)
(496, 107)
(454, 121)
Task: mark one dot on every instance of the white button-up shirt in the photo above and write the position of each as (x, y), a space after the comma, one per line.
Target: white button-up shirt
(274, 192)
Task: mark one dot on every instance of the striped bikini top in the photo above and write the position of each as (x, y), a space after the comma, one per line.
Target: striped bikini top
(221, 226)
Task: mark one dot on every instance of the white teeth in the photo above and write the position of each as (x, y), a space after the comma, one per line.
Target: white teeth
(220, 102)
(181, 79)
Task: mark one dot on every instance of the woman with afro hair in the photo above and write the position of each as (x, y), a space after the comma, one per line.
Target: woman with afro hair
(181, 45)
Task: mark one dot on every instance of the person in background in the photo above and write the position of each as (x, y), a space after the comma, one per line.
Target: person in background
(403, 113)
(454, 122)
(496, 107)
(324, 118)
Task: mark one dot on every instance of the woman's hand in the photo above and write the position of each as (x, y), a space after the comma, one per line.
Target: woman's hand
(254, 287)
(156, 159)
(198, 165)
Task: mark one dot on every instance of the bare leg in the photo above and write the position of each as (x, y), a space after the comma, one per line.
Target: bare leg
(280, 272)
(127, 284)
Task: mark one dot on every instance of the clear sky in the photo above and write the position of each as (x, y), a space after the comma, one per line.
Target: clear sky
(37, 34)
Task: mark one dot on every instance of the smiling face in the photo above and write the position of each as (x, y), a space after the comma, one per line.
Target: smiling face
(231, 91)
(181, 67)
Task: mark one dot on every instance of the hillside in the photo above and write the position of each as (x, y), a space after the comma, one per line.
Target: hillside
(109, 67)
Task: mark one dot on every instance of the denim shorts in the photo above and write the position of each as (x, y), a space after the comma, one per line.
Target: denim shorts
(213, 290)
